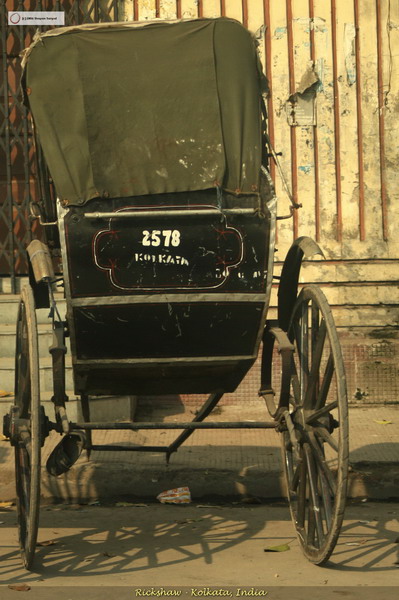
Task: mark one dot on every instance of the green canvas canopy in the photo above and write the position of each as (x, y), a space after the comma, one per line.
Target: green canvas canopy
(134, 109)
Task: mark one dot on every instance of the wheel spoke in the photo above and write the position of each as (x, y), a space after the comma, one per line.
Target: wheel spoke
(296, 388)
(295, 479)
(304, 351)
(297, 335)
(310, 538)
(327, 437)
(314, 497)
(325, 386)
(23, 464)
(326, 497)
(24, 390)
(22, 367)
(317, 353)
(321, 412)
(316, 322)
(300, 328)
(26, 440)
(322, 463)
(301, 507)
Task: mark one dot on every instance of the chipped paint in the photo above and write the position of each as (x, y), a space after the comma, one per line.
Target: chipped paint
(320, 70)
(349, 52)
(301, 106)
(280, 32)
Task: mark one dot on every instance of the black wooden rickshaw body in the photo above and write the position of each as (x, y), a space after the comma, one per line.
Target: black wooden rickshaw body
(174, 304)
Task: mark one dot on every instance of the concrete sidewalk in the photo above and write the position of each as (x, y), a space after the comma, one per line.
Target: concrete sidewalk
(226, 463)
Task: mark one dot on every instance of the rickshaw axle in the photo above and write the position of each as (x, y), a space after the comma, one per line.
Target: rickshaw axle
(189, 425)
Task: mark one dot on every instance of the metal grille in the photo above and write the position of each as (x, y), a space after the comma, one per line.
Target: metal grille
(18, 173)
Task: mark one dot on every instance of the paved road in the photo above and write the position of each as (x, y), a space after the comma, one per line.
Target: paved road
(130, 547)
(225, 463)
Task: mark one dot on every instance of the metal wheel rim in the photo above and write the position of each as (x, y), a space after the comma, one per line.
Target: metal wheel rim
(317, 544)
(27, 451)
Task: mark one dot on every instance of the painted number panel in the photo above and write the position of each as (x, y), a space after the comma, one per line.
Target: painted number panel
(193, 251)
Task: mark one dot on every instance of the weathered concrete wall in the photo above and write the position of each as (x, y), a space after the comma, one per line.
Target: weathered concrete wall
(340, 156)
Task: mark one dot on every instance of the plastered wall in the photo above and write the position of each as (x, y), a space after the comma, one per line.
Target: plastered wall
(338, 136)
(333, 68)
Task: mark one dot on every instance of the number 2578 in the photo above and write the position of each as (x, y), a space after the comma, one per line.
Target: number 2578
(166, 237)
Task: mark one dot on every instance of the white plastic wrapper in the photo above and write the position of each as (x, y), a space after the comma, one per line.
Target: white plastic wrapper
(180, 495)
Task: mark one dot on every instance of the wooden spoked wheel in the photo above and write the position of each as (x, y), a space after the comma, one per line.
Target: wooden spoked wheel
(27, 415)
(316, 451)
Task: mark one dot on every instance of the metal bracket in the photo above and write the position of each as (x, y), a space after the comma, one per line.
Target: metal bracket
(58, 351)
(271, 334)
(35, 213)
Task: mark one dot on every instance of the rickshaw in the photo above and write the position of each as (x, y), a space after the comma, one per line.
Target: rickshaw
(153, 159)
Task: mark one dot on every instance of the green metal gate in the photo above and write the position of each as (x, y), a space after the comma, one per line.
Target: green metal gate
(18, 173)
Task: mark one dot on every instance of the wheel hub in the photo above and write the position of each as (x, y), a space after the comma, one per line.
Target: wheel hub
(299, 418)
(12, 425)
(17, 429)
